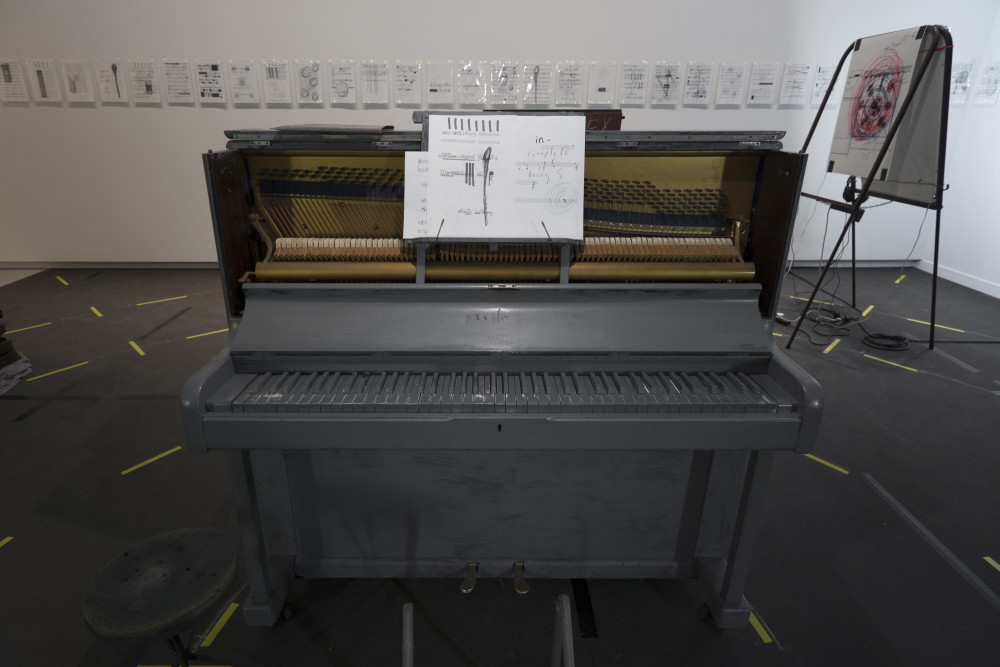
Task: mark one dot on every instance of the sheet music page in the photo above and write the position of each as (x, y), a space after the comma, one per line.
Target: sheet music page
(698, 81)
(473, 82)
(277, 82)
(601, 89)
(495, 176)
(76, 78)
(440, 82)
(178, 86)
(111, 80)
(12, 85)
(824, 75)
(794, 83)
(374, 82)
(505, 82)
(407, 82)
(415, 225)
(243, 81)
(666, 82)
(43, 78)
(961, 82)
(988, 87)
(763, 83)
(569, 85)
(343, 89)
(537, 79)
(142, 78)
(635, 82)
(211, 81)
(731, 75)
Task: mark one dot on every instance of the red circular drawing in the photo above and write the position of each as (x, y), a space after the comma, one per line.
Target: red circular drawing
(875, 97)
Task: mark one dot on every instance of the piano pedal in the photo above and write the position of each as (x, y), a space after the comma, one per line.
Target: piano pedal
(471, 570)
(520, 585)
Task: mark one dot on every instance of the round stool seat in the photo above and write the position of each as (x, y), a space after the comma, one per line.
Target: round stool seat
(161, 585)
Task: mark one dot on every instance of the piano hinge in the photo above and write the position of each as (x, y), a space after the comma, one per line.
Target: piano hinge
(383, 144)
(628, 144)
(259, 142)
(750, 143)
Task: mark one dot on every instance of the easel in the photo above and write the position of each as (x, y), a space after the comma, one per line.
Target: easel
(942, 41)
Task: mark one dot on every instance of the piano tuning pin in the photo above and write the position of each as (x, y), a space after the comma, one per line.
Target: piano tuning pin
(471, 570)
(520, 585)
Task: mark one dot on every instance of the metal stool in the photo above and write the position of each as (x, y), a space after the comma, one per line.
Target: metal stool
(160, 588)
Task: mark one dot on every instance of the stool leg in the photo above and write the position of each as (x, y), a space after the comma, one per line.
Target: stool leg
(179, 650)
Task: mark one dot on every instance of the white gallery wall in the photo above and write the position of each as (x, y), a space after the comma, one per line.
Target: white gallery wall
(95, 183)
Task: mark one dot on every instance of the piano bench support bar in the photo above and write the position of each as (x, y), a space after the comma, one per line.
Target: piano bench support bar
(727, 578)
(269, 578)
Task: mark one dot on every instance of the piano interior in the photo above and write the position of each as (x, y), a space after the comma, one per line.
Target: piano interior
(601, 409)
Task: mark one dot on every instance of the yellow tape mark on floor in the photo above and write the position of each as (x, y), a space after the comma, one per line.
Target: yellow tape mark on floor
(148, 461)
(96, 312)
(939, 326)
(45, 375)
(893, 363)
(5, 540)
(136, 347)
(985, 558)
(900, 279)
(33, 326)
(829, 348)
(764, 637)
(868, 310)
(775, 333)
(208, 333)
(825, 303)
(173, 298)
(60, 279)
(826, 463)
(217, 628)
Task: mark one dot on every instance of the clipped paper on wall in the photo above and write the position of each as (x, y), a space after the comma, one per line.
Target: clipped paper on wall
(730, 90)
(178, 86)
(601, 89)
(277, 81)
(374, 82)
(666, 82)
(12, 85)
(763, 83)
(473, 82)
(308, 76)
(536, 79)
(698, 81)
(243, 81)
(211, 81)
(505, 82)
(111, 80)
(44, 80)
(343, 89)
(635, 82)
(77, 80)
(440, 82)
(794, 83)
(571, 75)
(407, 82)
(142, 79)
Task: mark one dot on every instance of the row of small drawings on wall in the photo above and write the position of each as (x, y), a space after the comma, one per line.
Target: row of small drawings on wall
(313, 83)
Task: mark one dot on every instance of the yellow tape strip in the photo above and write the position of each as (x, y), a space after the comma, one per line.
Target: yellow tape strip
(60, 279)
(148, 461)
(173, 298)
(96, 312)
(832, 345)
(775, 333)
(764, 637)
(8, 539)
(985, 558)
(137, 348)
(826, 463)
(825, 303)
(939, 326)
(892, 363)
(208, 333)
(900, 279)
(45, 375)
(33, 326)
(868, 310)
(217, 628)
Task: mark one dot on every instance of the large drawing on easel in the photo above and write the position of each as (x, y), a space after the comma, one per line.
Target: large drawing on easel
(879, 78)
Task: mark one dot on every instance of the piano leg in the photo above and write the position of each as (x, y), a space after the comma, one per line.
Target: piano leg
(726, 578)
(269, 578)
